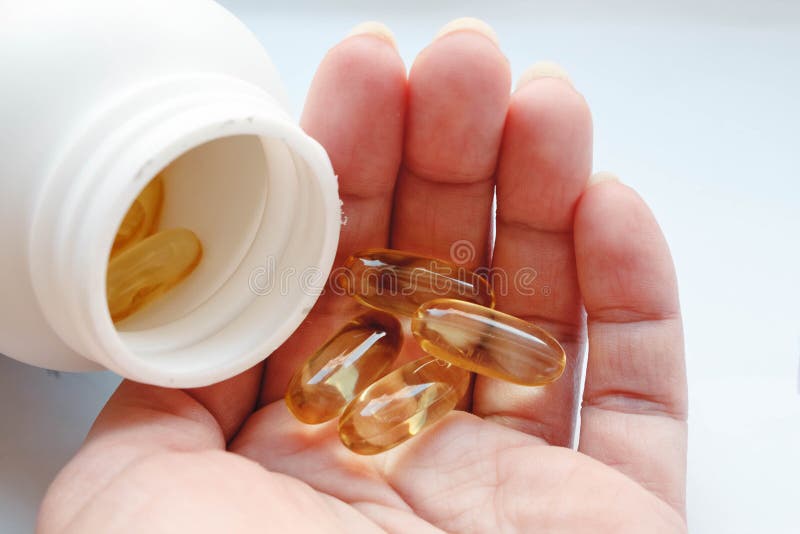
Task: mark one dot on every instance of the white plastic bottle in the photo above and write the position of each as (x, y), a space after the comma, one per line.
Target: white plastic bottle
(98, 97)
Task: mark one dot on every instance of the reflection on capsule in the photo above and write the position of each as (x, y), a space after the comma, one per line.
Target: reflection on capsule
(401, 404)
(488, 342)
(357, 355)
(399, 282)
(150, 268)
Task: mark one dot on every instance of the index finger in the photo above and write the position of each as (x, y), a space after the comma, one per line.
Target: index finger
(356, 110)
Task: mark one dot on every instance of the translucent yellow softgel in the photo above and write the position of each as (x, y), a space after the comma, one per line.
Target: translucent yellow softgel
(398, 282)
(488, 342)
(150, 268)
(357, 355)
(142, 217)
(401, 404)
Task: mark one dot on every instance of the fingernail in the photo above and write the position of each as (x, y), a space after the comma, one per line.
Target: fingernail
(543, 69)
(469, 24)
(602, 176)
(375, 28)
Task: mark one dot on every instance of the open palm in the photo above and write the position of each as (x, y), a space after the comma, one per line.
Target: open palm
(418, 160)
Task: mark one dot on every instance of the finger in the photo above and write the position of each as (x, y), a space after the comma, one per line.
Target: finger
(545, 161)
(634, 403)
(140, 421)
(356, 110)
(458, 98)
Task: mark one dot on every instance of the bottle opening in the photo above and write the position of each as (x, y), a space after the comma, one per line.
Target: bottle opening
(218, 191)
(263, 217)
(237, 172)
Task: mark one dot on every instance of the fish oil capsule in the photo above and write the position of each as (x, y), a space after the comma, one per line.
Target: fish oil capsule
(488, 342)
(150, 268)
(142, 217)
(401, 404)
(357, 355)
(398, 282)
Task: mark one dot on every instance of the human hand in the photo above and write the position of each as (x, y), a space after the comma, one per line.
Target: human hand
(417, 161)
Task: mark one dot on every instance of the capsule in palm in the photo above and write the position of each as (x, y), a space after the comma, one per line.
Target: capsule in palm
(145, 271)
(488, 342)
(401, 404)
(357, 355)
(398, 282)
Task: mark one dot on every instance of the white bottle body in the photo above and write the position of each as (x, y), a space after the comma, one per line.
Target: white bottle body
(101, 97)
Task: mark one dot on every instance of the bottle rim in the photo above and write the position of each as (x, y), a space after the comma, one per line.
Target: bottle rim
(241, 322)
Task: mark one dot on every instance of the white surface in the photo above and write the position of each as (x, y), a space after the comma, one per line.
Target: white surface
(695, 106)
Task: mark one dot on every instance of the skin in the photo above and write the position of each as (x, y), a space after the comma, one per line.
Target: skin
(418, 158)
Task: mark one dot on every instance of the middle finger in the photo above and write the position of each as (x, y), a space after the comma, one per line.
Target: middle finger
(458, 97)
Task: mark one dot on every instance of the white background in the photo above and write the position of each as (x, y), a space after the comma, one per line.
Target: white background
(695, 105)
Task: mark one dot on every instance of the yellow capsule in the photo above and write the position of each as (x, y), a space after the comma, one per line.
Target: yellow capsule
(398, 282)
(357, 355)
(488, 342)
(149, 269)
(401, 404)
(142, 217)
